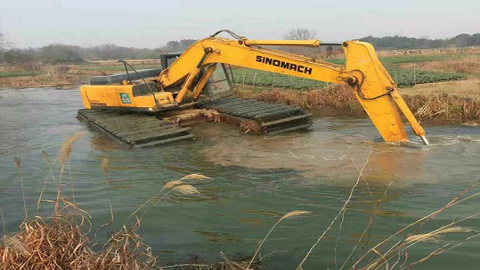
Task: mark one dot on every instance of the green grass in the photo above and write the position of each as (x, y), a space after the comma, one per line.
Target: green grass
(6, 74)
(403, 77)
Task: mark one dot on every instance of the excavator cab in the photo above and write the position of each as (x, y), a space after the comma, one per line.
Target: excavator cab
(220, 83)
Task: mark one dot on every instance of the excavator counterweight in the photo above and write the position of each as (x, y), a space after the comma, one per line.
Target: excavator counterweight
(196, 74)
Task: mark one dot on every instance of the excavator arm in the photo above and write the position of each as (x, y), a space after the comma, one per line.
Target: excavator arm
(366, 76)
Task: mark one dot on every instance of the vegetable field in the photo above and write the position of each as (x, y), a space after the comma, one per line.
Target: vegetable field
(5, 74)
(419, 58)
(403, 59)
(269, 79)
(411, 77)
(403, 77)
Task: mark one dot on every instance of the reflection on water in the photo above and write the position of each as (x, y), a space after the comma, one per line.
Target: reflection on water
(101, 143)
(322, 155)
(256, 181)
(219, 237)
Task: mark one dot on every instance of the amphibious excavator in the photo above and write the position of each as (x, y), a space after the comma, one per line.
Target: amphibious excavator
(149, 107)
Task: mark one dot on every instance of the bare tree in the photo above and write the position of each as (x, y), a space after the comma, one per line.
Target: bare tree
(301, 34)
(2, 41)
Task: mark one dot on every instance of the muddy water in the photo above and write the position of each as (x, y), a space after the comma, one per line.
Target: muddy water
(256, 180)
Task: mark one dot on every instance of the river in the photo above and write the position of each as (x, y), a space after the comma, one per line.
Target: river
(255, 181)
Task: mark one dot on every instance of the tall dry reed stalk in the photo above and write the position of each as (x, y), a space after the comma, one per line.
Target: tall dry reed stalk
(174, 185)
(260, 244)
(19, 170)
(341, 212)
(400, 248)
(62, 157)
(61, 242)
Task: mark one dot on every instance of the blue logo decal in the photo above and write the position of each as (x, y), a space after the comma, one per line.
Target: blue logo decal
(125, 98)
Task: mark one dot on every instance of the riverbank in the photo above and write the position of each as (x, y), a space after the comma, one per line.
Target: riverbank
(448, 102)
(455, 102)
(40, 81)
(60, 76)
(453, 98)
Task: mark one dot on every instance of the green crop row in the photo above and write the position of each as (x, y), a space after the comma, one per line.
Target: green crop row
(403, 59)
(5, 74)
(269, 79)
(410, 77)
(403, 77)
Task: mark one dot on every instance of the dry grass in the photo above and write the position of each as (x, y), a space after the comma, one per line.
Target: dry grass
(469, 65)
(62, 242)
(43, 80)
(469, 88)
(465, 50)
(444, 107)
(340, 99)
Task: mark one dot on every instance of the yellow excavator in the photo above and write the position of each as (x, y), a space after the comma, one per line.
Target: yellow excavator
(137, 107)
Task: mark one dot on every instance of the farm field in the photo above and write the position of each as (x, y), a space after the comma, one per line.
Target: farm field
(416, 58)
(403, 77)
(407, 70)
(5, 74)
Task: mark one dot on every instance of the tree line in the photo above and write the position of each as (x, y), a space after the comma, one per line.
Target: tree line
(399, 42)
(61, 53)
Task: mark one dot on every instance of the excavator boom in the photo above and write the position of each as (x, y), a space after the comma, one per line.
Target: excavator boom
(368, 79)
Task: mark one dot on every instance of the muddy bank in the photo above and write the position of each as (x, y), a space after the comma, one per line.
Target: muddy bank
(55, 76)
(39, 81)
(339, 100)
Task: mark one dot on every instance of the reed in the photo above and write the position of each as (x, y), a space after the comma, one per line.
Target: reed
(260, 244)
(62, 241)
(341, 99)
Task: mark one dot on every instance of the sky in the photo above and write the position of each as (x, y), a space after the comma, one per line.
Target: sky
(152, 23)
